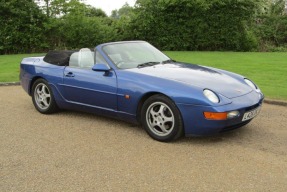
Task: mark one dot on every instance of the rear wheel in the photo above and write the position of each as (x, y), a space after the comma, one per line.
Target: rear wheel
(43, 98)
(161, 118)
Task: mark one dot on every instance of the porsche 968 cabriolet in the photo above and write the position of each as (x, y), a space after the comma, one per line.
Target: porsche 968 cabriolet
(136, 82)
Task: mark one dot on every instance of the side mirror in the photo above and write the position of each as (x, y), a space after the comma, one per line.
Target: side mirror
(101, 67)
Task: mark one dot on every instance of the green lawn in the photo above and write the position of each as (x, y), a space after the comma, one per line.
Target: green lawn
(267, 70)
(9, 66)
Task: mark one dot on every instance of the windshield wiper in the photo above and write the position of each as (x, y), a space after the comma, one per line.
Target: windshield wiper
(151, 63)
(168, 61)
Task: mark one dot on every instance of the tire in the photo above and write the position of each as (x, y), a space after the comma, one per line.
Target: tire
(43, 98)
(161, 118)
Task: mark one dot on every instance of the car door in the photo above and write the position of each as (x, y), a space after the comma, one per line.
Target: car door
(82, 85)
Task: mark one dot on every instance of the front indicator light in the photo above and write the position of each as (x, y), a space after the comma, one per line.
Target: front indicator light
(221, 115)
(215, 116)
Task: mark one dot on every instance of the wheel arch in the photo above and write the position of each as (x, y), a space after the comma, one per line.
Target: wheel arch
(32, 83)
(143, 99)
(180, 128)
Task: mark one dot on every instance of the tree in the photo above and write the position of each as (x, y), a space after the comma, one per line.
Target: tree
(122, 19)
(271, 27)
(21, 26)
(45, 5)
(125, 11)
(74, 25)
(53, 8)
(95, 12)
(277, 7)
(238, 25)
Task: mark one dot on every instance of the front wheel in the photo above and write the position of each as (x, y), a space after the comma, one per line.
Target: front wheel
(43, 98)
(161, 118)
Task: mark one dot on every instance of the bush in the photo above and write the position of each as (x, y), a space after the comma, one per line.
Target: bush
(195, 24)
(272, 32)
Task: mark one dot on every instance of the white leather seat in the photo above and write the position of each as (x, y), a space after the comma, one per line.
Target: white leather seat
(86, 58)
(74, 60)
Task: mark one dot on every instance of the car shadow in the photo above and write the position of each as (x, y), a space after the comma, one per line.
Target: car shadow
(236, 134)
(252, 136)
(217, 138)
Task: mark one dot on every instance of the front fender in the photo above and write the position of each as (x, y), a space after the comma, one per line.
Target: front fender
(132, 85)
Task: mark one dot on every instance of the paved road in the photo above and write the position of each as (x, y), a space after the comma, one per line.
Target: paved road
(72, 151)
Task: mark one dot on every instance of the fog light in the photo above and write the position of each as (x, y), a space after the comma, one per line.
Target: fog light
(232, 114)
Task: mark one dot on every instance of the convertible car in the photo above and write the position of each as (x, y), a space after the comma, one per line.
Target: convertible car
(135, 82)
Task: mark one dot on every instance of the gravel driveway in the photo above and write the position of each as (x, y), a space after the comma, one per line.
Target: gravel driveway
(72, 151)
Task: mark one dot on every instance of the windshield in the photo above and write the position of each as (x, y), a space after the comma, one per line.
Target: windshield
(128, 55)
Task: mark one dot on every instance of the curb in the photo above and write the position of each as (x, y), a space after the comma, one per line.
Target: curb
(275, 102)
(268, 101)
(9, 83)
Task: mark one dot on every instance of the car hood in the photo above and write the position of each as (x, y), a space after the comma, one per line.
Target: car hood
(199, 76)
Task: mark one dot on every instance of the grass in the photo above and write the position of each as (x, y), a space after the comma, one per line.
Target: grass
(267, 70)
(10, 66)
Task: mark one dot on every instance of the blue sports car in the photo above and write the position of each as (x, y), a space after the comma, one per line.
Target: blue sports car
(136, 82)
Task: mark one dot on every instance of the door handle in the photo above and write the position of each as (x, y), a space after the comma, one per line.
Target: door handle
(70, 74)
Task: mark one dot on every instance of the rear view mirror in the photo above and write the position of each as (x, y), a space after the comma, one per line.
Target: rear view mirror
(101, 67)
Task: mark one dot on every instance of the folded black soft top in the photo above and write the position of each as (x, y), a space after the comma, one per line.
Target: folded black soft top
(60, 58)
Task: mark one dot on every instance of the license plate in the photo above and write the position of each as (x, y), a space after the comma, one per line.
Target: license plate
(251, 114)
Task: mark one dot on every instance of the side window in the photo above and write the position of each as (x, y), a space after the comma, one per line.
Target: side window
(100, 59)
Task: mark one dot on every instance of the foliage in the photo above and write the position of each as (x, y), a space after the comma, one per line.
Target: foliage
(122, 19)
(124, 11)
(94, 12)
(21, 26)
(78, 32)
(79, 26)
(54, 8)
(271, 28)
(272, 31)
(233, 25)
(277, 7)
(196, 24)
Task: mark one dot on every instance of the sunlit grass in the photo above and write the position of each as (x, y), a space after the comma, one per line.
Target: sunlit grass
(10, 66)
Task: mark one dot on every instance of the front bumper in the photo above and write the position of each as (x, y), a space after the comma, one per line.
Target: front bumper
(195, 123)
